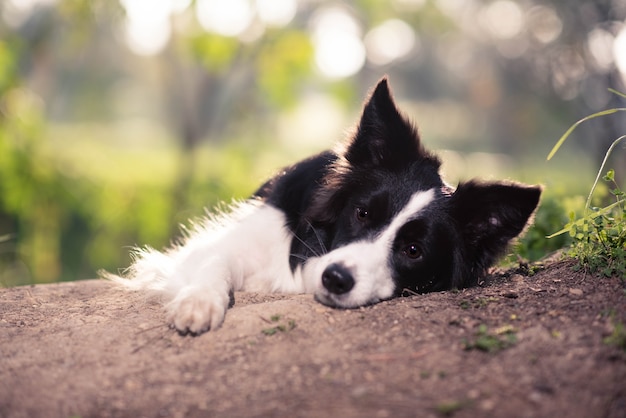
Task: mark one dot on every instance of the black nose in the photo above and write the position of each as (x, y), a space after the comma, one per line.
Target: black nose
(337, 279)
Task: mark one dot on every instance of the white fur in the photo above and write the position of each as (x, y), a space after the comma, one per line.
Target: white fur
(245, 250)
(248, 250)
(367, 261)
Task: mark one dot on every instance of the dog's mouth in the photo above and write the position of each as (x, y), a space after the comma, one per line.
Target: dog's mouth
(342, 301)
(327, 300)
(335, 301)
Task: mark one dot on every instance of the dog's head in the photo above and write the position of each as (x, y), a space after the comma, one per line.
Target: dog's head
(391, 223)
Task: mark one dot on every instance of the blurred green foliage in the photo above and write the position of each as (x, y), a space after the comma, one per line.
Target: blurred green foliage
(214, 52)
(550, 216)
(65, 204)
(79, 181)
(69, 218)
(284, 61)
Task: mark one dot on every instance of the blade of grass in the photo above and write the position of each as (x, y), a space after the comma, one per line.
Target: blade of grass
(606, 157)
(619, 93)
(575, 125)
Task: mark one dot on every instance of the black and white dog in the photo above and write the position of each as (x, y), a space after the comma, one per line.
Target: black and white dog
(353, 227)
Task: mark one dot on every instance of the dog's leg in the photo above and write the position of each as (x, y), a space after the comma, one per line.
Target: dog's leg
(192, 279)
(247, 249)
(199, 293)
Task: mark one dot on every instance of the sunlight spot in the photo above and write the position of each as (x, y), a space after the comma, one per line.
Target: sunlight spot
(140, 10)
(600, 44)
(147, 28)
(336, 19)
(179, 6)
(339, 51)
(619, 52)
(392, 40)
(339, 55)
(503, 19)
(227, 18)
(276, 12)
(145, 37)
(544, 24)
(300, 126)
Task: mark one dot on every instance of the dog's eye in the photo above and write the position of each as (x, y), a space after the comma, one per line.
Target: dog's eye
(412, 251)
(361, 214)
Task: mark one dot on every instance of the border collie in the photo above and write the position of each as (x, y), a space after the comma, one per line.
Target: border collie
(353, 226)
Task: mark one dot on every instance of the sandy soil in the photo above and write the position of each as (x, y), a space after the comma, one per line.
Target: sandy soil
(517, 346)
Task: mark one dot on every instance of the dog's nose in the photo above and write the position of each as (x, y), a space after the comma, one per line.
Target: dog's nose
(337, 279)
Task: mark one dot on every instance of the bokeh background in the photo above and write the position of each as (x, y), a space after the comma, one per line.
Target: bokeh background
(120, 120)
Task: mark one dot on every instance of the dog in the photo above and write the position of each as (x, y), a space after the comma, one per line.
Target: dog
(353, 227)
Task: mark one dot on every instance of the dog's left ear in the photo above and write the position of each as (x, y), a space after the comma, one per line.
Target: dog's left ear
(384, 137)
(490, 215)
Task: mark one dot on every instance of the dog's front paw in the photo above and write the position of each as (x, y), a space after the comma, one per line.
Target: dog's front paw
(196, 310)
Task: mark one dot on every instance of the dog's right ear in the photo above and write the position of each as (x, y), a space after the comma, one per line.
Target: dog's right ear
(384, 137)
(488, 216)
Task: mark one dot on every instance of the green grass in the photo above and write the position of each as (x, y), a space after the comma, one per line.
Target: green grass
(599, 235)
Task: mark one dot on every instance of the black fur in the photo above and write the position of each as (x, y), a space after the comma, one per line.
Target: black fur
(336, 198)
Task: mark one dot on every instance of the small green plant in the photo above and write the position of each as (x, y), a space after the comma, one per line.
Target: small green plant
(284, 326)
(618, 336)
(599, 236)
(490, 342)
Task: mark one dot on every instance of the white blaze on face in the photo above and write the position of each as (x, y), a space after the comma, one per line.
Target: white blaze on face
(367, 261)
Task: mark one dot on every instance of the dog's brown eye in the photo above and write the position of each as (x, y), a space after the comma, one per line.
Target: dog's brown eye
(361, 214)
(412, 251)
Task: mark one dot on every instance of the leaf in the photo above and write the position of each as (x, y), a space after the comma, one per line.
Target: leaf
(587, 218)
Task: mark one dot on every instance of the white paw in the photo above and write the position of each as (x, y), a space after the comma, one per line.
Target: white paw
(197, 310)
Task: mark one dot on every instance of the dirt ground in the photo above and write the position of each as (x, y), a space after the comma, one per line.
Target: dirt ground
(535, 346)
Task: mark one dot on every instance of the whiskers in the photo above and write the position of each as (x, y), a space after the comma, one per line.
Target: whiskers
(319, 239)
(316, 252)
(299, 256)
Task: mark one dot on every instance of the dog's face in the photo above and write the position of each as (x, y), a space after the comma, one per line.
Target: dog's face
(391, 224)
